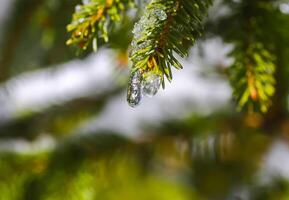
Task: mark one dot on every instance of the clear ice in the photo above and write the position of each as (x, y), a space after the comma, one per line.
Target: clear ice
(134, 93)
(151, 84)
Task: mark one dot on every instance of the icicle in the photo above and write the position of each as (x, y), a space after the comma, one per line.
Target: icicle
(134, 93)
(160, 14)
(151, 84)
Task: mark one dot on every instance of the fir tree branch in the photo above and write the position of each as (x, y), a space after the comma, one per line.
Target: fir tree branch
(167, 27)
(92, 20)
(252, 78)
(252, 74)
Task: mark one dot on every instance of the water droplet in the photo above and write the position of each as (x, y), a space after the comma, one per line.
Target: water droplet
(145, 44)
(134, 93)
(160, 14)
(135, 47)
(136, 28)
(151, 84)
(152, 19)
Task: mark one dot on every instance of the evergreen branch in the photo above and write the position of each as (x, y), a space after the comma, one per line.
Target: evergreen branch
(252, 74)
(167, 27)
(252, 77)
(92, 20)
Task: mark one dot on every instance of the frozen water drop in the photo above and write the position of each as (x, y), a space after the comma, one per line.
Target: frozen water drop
(145, 44)
(134, 98)
(151, 84)
(136, 28)
(160, 14)
(144, 22)
(134, 93)
(152, 20)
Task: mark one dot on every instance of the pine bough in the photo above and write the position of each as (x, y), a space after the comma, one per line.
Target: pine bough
(166, 29)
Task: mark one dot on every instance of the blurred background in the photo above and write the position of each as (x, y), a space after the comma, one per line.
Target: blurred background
(67, 132)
